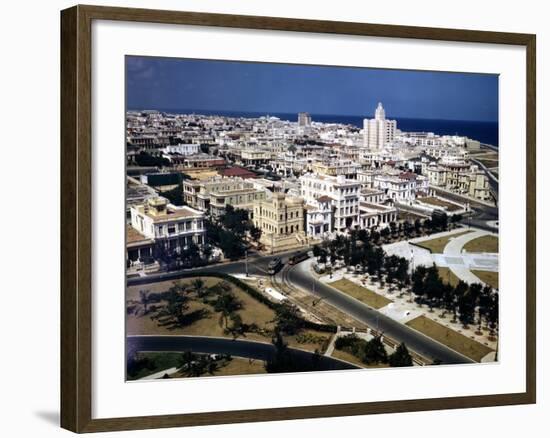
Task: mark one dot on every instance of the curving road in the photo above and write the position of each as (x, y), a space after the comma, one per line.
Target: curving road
(241, 348)
(300, 276)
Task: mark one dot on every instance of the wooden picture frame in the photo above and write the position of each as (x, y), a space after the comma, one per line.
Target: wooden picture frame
(76, 218)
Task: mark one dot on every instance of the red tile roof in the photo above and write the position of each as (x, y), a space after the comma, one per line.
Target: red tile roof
(238, 171)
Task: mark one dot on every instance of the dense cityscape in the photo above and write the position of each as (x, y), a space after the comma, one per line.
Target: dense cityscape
(256, 244)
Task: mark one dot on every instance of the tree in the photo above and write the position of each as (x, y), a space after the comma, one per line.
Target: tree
(145, 300)
(186, 359)
(466, 308)
(492, 313)
(146, 160)
(418, 280)
(281, 361)
(375, 352)
(400, 357)
(393, 228)
(460, 290)
(175, 196)
(316, 251)
(402, 273)
(288, 319)
(449, 299)
(255, 233)
(407, 228)
(433, 287)
(417, 226)
(484, 304)
(177, 301)
(198, 286)
(226, 303)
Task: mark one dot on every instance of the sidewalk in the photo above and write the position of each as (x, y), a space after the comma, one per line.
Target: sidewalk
(461, 263)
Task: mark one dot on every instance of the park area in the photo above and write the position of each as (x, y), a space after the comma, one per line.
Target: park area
(360, 293)
(488, 277)
(176, 365)
(482, 244)
(437, 245)
(457, 341)
(212, 307)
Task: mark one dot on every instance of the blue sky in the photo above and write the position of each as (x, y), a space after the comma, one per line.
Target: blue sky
(171, 83)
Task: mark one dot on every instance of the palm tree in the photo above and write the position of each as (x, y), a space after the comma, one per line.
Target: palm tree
(226, 303)
(144, 300)
(198, 286)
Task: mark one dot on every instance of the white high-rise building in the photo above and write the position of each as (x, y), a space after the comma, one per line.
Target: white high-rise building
(378, 131)
(304, 119)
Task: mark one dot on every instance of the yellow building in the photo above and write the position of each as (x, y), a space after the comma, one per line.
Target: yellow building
(281, 219)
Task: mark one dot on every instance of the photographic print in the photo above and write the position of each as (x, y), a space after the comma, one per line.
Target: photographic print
(287, 218)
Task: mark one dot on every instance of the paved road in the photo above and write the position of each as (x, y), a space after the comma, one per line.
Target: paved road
(241, 348)
(257, 265)
(454, 248)
(300, 276)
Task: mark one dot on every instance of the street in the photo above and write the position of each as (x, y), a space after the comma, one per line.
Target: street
(300, 276)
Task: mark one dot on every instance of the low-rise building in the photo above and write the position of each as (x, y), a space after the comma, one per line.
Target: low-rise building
(216, 194)
(400, 186)
(461, 178)
(158, 222)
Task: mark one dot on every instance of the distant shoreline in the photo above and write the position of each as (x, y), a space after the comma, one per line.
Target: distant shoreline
(484, 132)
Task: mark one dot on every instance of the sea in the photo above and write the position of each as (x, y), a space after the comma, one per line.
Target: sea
(484, 132)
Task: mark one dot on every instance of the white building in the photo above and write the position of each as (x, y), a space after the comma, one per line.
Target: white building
(344, 195)
(378, 131)
(177, 227)
(304, 119)
(319, 217)
(401, 187)
(182, 149)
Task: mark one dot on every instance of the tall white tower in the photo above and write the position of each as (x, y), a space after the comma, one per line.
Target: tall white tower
(379, 113)
(378, 131)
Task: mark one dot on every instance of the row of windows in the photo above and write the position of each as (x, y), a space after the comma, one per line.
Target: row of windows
(272, 215)
(282, 230)
(181, 227)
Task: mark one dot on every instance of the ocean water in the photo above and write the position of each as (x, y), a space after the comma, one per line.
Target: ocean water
(485, 132)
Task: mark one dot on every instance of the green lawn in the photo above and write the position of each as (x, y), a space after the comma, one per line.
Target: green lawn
(448, 276)
(482, 244)
(438, 244)
(360, 293)
(457, 341)
(491, 278)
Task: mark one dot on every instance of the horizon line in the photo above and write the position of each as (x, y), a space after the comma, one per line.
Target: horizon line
(267, 113)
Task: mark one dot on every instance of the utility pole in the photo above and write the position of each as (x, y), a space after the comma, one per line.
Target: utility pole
(246, 261)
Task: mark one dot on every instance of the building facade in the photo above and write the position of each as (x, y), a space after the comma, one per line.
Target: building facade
(162, 223)
(343, 193)
(281, 219)
(378, 131)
